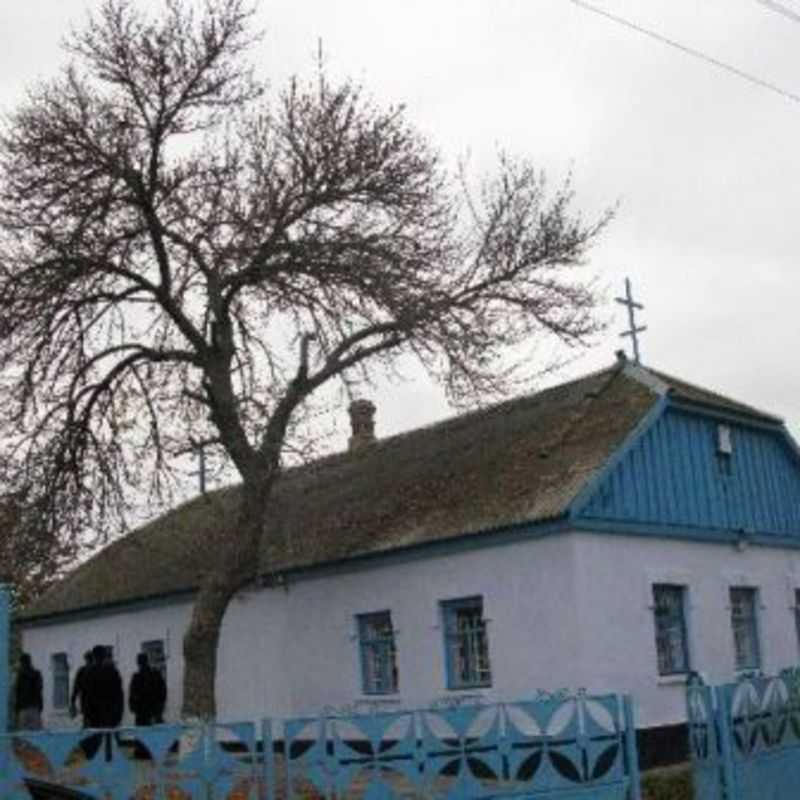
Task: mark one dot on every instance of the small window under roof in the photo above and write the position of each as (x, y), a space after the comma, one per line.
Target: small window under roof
(724, 440)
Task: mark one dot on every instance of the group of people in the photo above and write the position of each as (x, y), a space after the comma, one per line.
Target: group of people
(97, 692)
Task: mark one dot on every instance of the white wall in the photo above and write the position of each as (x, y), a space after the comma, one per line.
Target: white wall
(253, 673)
(292, 650)
(616, 574)
(526, 589)
(571, 610)
(250, 668)
(125, 631)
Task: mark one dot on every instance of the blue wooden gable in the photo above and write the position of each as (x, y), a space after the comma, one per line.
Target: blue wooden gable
(671, 477)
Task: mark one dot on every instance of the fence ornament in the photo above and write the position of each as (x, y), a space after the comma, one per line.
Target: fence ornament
(174, 761)
(791, 679)
(449, 701)
(579, 746)
(745, 737)
(699, 721)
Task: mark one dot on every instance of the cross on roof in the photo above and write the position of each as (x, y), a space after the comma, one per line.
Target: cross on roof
(632, 331)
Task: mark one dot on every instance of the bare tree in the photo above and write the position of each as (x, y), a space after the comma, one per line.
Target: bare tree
(184, 255)
(32, 556)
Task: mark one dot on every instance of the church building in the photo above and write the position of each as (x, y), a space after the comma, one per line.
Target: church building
(612, 533)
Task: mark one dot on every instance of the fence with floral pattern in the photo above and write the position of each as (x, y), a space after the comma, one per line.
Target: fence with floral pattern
(744, 737)
(578, 746)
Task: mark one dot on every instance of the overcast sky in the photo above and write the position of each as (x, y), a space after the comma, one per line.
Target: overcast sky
(704, 164)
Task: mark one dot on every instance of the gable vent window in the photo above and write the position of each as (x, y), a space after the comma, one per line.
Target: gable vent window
(724, 448)
(724, 440)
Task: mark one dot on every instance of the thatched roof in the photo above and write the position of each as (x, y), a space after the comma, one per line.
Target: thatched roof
(697, 395)
(522, 461)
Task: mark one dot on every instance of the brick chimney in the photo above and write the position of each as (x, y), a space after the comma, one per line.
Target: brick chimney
(362, 421)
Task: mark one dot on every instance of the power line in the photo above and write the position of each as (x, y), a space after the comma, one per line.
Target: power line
(690, 50)
(778, 8)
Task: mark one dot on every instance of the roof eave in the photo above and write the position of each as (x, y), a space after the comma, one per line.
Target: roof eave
(25, 619)
(754, 417)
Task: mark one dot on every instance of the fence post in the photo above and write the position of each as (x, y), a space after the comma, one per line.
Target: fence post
(5, 667)
(631, 750)
(267, 776)
(209, 738)
(723, 720)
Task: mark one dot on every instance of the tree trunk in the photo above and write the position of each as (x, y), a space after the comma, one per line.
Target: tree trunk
(201, 641)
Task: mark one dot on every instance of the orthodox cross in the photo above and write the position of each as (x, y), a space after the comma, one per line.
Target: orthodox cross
(632, 331)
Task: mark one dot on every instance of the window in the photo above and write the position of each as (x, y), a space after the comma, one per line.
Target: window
(724, 449)
(378, 653)
(724, 440)
(156, 656)
(745, 629)
(466, 644)
(60, 666)
(797, 614)
(672, 647)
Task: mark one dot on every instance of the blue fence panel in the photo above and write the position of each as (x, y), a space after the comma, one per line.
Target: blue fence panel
(764, 717)
(158, 763)
(708, 747)
(575, 747)
(745, 738)
(571, 747)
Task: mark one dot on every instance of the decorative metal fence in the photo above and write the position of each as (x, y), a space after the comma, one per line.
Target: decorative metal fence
(571, 747)
(745, 738)
(164, 762)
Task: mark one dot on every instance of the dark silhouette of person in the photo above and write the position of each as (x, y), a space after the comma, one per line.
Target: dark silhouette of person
(77, 699)
(147, 694)
(28, 702)
(110, 697)
(103, 700)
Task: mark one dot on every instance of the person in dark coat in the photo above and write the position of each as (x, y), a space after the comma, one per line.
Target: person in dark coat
(103, 700)
(147, 693)
(77, 699)
(28, 695)
(110, 697)
(93, 701)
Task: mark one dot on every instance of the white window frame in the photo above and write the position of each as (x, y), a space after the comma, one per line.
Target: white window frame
(681, 623)
(754, 626)
(467, 650)
(794, 606)
(160, 664)
(377, 647)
